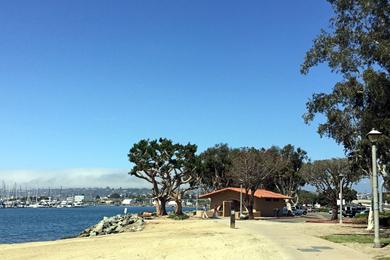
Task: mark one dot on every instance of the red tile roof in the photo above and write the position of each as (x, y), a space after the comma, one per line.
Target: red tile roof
(260, 193)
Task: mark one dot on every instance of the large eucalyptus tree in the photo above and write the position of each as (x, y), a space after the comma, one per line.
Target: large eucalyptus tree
(356, 46)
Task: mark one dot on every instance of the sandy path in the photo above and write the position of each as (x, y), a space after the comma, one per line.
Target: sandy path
(161, 239)
(301, 240)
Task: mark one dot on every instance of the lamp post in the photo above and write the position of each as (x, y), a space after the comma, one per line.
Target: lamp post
(373, 136)
(240, 200)
(341, 199)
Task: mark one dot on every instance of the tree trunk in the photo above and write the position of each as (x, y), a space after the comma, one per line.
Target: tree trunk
(370, 220)
(179, 207)
(250, 207)
(250, 212)
(334, 212)
(161, 210)
(158, 208)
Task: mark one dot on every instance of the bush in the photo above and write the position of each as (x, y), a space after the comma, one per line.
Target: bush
(178, 217)
(360, 219)
(384, 219)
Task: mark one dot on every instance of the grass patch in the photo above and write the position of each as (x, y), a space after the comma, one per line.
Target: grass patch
(356, 238)
(178, 217)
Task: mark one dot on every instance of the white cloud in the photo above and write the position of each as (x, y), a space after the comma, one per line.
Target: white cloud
(73, 177)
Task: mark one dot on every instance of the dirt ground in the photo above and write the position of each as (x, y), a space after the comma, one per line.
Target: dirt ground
(204, 239)
(161, 239)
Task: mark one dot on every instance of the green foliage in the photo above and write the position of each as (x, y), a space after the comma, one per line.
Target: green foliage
(349, 194)
(215, 163)
(250, 168)
(360, 219)
(357, 46)
(178, 217)
(287, 179)
(358, 37)
(325, 176)
(307, 197)
(384, 219)
(167, 166)
(115, 196)
(386, 197)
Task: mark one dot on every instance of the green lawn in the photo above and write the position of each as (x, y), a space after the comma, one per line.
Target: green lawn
(346, 238)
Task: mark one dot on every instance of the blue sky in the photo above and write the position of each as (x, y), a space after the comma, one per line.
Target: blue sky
(81, 81)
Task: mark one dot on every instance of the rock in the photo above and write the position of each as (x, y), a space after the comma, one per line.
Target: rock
(115, 224)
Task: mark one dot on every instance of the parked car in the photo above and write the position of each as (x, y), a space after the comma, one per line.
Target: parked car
(299, 210)
(352, 210)
(364, 212)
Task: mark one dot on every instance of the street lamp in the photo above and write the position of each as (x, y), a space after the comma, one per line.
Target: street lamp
(373, 136)
(341, 199)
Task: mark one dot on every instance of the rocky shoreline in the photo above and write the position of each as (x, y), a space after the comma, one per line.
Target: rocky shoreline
(113, 225)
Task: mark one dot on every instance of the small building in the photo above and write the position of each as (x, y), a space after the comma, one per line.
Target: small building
(266, 203)
(127, 202)
(79, 199)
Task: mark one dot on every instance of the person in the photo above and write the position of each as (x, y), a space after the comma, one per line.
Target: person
(289, 209)
(215, 213)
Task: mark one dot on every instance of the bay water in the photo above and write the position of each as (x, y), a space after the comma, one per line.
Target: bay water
(19, 225)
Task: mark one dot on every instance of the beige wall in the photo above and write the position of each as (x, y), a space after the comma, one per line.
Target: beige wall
(218, 198)
(265, 207)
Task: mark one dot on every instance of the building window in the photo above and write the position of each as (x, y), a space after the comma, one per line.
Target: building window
(267, 199)
(275, 199)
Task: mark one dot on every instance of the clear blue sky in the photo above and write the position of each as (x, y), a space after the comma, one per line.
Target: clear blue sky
(81, 81)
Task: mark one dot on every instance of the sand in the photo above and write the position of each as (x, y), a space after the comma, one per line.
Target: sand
(164, 238)
(161, 239)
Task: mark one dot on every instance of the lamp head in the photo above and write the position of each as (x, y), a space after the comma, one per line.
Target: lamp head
(373, 135)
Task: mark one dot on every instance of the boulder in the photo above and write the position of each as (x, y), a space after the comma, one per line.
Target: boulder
(115, 224)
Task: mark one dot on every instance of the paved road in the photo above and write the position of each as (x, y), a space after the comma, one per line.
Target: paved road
(295, 245)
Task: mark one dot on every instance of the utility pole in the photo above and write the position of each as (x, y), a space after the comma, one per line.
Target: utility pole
(341, 199)
(240, 200)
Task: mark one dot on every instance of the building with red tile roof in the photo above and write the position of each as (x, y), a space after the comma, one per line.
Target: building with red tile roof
(266, 203)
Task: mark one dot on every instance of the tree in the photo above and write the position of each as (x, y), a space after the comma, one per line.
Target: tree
(325, 176)
(167, 166)
(250, 167)
(215, 163)
(357, 47)
(185, 172)
(349, 194)
(287, 178)
(115, 196)
(307, 197)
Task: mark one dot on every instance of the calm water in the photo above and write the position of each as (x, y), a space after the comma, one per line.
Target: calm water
(41, 224)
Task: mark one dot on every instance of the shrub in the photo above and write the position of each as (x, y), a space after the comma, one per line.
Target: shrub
(360, 219)
(178, 217)
(384, 219)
